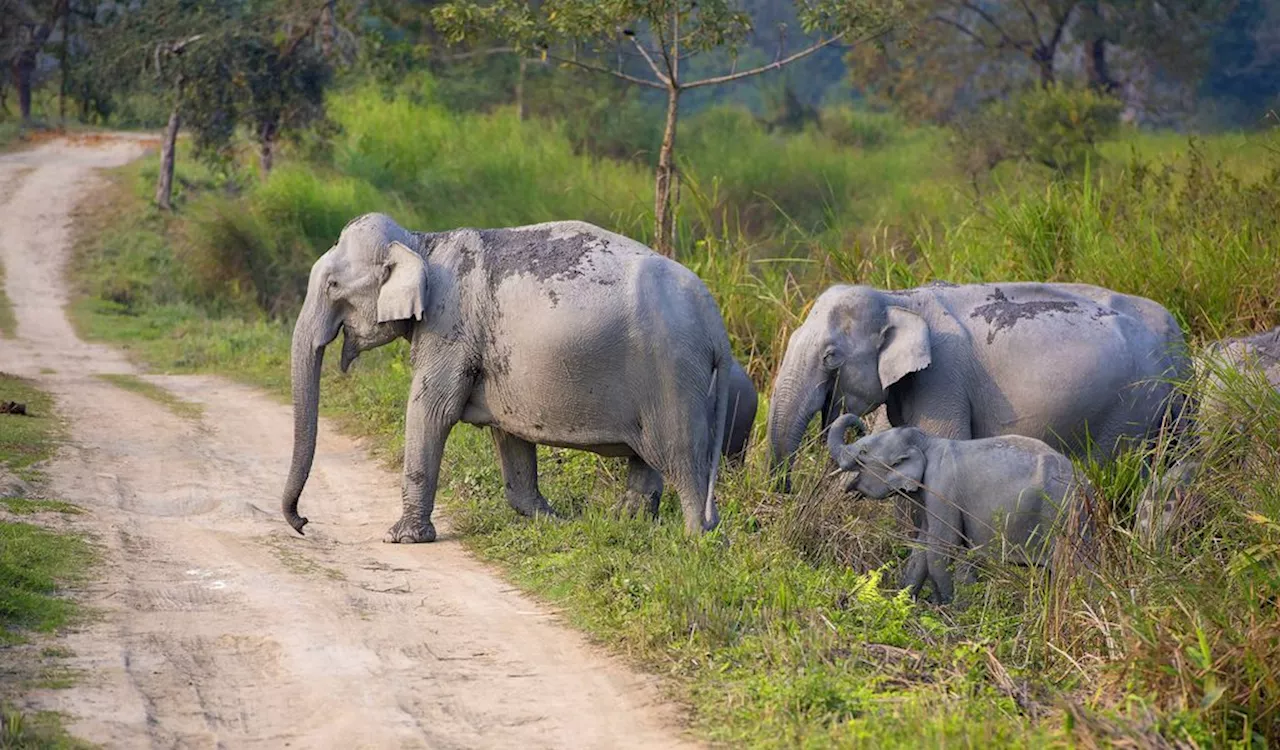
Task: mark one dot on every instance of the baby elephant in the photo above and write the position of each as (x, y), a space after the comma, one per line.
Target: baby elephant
(1005, 494)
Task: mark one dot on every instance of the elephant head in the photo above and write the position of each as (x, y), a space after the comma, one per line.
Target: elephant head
(370, 286)
(878, 465)
(851, 348)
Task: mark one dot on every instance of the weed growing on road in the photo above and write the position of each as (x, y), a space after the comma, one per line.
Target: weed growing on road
(135, 384)
(38, 731)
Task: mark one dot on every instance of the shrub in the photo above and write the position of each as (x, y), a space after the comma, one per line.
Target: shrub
(1054, 126)
(859, 128)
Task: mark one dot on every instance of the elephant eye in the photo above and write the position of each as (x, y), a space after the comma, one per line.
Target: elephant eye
(831, 358)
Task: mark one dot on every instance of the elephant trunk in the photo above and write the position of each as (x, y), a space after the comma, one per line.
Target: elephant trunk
(790, 410)
(305, 370)
(835, 437)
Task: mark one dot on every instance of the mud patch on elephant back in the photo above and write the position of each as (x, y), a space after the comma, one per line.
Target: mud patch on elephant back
(544, 254)
(1001, 313)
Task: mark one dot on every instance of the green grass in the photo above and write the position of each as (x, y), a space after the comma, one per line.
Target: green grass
(8, 323)
(34, 564)
(27, 440)
(25, 506)
(782, 628)
(39, 731)
(147, 389)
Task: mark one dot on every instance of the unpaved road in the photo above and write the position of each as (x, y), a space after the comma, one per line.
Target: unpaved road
(221, 627)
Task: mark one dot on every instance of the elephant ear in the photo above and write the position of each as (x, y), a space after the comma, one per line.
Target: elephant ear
(905, 346)
(907, 471)
(404, 287)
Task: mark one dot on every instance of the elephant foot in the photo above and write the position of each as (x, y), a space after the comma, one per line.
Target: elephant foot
(410, 530)
(540, 509)
(633, 503)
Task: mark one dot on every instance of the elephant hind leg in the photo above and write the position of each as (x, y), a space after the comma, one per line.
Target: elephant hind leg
(519, 461)
(644, 490)
(691, 479)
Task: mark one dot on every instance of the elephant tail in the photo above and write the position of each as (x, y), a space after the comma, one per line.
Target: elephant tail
(719, 391)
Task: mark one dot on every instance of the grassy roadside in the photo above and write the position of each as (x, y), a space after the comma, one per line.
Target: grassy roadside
(36, 565)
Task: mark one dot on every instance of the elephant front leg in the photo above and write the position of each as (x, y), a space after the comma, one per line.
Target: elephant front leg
(644, 489)
(942, 538)
(429, 418)
(917, 568)
(519, 460)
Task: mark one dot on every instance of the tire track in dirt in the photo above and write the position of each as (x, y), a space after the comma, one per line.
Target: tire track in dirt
(220, 627)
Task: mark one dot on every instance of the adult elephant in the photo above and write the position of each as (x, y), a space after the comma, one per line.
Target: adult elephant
(557, 334)
(1070, 364)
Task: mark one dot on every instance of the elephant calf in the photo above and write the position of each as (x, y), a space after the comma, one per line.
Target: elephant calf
(558, 334)
(1003, 494)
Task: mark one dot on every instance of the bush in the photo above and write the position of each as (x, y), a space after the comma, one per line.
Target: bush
(859, 128)
(1054, 126)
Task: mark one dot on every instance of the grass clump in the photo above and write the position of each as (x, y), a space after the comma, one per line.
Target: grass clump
(38, 731)
(25, 506)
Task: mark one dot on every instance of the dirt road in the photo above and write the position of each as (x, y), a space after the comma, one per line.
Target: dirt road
(221, 627)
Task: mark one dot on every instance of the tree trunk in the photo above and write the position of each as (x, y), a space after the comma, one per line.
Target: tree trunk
(266, 148)
(1044, 63)
(22, 68)
(164, 184)
(330, 27)
(62, 65)
(1098, 70)
(663, 210)
(520, 111)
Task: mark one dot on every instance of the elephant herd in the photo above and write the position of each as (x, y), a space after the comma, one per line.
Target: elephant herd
(565, 334)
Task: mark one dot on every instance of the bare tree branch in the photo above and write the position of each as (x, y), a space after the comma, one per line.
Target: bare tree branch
(647, 58)
(1032, 17)
(614, 73)
(975, 36)
(474, 53)
(991, 21)
(1062, 26)
(776, 64)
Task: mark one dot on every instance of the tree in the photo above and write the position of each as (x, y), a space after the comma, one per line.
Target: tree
(651, 43)
(27, 27)
(968, 52)
(1174, 36)
(222, 63)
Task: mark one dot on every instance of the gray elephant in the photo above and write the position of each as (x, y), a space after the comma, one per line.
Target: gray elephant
(743, 403)
(1171, 502)
(644, 488)
(1070, 364)
(557, 334)
(998, 496)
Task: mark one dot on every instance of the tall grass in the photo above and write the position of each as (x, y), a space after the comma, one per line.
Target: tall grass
(783, 628)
